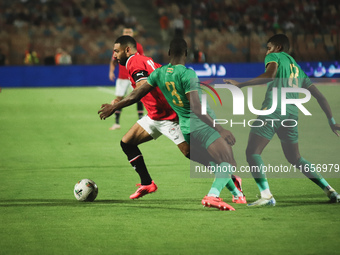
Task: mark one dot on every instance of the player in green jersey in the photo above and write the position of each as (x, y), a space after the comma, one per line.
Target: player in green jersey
(180, 86)
(282, 71)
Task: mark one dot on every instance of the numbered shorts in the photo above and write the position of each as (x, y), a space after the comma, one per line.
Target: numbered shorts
(122, 87)
(285, 126)
(156, 128)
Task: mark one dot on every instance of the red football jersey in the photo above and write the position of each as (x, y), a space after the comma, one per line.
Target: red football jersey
(123, 73)
(139, 68)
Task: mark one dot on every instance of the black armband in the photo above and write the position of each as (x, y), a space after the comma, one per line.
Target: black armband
(139, 75)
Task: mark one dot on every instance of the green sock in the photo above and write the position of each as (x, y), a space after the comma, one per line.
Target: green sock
(310, 172)
(232, 188)
(230, 185)
(221, 180)
(255, 160)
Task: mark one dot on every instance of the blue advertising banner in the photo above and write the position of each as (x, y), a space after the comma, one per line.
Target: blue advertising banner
(321, 69)
(97, 75)
(54, 76)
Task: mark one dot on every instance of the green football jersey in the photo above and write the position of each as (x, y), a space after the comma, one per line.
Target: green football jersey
(175, 81)
(289, 75)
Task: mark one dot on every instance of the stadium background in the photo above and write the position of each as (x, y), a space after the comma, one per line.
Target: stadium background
(226, 31)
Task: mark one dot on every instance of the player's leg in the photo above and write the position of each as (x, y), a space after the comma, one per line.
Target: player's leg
(135, 136)
(256, 145)
(223, 157)
(206, 138)
(122, 86)
(200, 154)
(129, 143)
(292, 154)
(116, 125)
(260, 135)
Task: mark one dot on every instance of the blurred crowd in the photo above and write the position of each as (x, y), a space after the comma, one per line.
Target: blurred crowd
(85, 29)
(217, 30)
(237, 30)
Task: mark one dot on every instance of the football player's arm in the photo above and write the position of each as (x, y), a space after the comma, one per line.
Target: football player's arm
(195, 105)
(113, 64)
(325, 107)
(268, 76)
(137, 94)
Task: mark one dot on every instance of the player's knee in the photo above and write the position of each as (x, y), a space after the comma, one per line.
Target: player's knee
(231, 161)
(186, 153)
(225, 157)
(253, 158)
(185, 149)
(125, 147)
(130, 150)
(293, 160)
(249, 154)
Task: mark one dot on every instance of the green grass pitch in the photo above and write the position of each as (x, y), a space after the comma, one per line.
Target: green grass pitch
(51, 138)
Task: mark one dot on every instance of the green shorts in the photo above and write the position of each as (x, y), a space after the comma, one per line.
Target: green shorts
(202, 137)
(285, 126)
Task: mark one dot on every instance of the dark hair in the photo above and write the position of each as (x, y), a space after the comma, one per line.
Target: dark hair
(280, 40)
(178, 47)
(126, 40)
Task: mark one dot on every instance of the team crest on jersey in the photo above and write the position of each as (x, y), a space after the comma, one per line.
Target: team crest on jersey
(170, 70)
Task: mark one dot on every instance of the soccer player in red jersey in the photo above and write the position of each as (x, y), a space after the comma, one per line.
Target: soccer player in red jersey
(161, 118)
(123, 83)
(213, 145)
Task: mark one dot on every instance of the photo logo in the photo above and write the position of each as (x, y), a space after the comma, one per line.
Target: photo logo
(209, 93)
(239, 101)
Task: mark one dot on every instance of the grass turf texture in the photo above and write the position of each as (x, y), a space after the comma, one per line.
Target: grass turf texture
(51, 138)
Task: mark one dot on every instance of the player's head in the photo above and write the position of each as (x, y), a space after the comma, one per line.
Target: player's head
(128, 31)
(278, 43)
(178, 47)
(124, 47)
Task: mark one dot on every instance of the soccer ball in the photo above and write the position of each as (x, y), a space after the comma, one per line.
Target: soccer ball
(85, 190)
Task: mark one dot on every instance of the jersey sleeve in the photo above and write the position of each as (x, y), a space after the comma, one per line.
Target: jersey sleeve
(152, 79)
(272, 57)
(191, 81)
(137, 69)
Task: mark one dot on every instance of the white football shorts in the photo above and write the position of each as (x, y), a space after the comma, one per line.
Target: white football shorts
(156, 128)
(122, 86)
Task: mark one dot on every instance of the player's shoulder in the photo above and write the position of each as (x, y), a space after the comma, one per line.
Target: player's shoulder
(159, 69)
(136, 60)
(181, 69)
(189, 72)
(280, 55)
(272, 55)
(276, 57)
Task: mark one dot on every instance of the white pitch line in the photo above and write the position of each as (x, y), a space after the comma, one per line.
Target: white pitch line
(106, 90)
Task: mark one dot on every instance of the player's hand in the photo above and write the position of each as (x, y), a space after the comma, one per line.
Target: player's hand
(335, 128)
(232, 82)
(112, 76)
(228, 136)
(106, 111)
